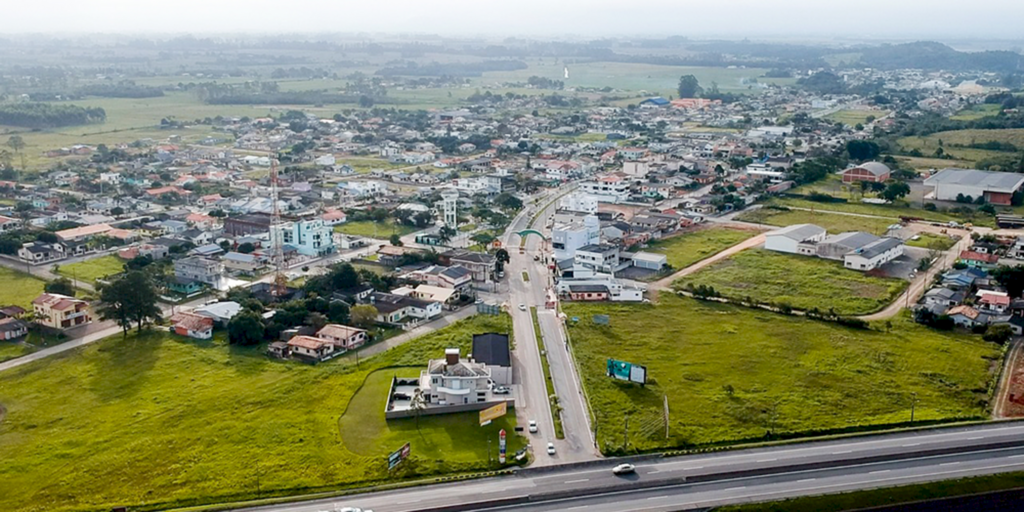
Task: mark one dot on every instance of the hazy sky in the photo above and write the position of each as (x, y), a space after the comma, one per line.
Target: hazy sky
(899, 19)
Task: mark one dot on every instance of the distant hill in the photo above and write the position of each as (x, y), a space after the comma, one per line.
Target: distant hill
(935, 56)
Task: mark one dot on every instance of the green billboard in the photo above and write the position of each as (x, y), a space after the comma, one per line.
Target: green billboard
(627, 371)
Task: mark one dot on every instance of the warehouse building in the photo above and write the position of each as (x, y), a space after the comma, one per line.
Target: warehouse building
(996, 187)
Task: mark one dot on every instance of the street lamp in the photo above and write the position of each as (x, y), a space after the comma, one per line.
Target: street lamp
(913, 405)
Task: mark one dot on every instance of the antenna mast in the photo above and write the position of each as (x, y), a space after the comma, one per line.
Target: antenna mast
(280, 281)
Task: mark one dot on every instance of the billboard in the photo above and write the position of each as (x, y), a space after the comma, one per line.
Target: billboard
(627, 371)
(491, 413)
(397, 456)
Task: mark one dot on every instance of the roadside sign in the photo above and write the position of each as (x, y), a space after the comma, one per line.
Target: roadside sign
(397, 456)
(492, 413)
(601, 319)
(501, 446)
(627, 371)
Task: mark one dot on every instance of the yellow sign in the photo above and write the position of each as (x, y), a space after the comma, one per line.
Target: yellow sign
(491, 413)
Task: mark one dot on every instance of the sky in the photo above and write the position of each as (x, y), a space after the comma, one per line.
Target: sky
(873, 19)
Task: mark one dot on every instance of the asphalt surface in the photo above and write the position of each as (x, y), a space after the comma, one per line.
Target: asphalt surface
(701, 481)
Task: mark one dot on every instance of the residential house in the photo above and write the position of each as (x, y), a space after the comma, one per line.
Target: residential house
(965, 316)
(197, 269)
(11, 328)
(493, 350)
(450, 381)
(393, 308)
(994, 303)
(480, 265)
(192, 325)
(60, 311)
(943, 296)
(39, 252)
(310, 237)
(343, 336)
(979, 260)
(244, 263)
(310, 348)
(963, 279)
(220, 312)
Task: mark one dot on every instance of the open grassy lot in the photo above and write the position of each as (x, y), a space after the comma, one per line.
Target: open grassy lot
(689, 248)
(854, 117)
(833, 222)
(976, 112)
(13, 349)
(19, 289)
(953, 142)
(367, 228)
(893, 211)
(167, 421)
(932, 241)
(732, 373)
(91, 270)
(802, 282)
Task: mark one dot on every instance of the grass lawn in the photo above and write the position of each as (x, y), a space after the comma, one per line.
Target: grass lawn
(689, 248)
(20, 289)
(893, 211)
(13, 349)
(833, 222)
(732, 373)
(954, 143)
(91, 270)
(803, 282)
(855, 117)
(932, 241)
(167, 421)
(367, 228)
(976, 112)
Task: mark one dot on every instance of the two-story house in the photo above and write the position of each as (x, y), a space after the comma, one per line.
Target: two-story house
(343, 336)
(60, 311)
(450, 381)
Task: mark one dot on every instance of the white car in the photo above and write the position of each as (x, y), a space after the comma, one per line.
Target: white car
(624, 469)
(551, 448)
(533, 426)
(522, 307)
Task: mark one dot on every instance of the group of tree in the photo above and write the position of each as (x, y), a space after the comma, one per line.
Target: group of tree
(47, 115)
(129, 300)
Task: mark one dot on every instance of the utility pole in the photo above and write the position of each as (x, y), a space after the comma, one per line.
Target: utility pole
(913, 405)
(666, 417)
(625, 434)
(489, 460)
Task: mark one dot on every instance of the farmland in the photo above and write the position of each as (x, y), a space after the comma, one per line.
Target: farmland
(955, 143)
(732, 373)
(890, 211)
(802, 282)
(689, 248)
(167, 421)
(91, 270)
(832, 222)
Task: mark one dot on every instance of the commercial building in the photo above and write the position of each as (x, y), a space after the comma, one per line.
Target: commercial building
(996, 187)
(874, 254)
(598, 258)
(874, 172)
(794, 239)
(493, 350)
(567, 237)
(310, 237)
(607, 189)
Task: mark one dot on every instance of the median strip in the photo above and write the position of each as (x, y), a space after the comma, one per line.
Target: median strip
(556, 410)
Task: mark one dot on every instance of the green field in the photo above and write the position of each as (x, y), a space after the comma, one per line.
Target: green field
(732, 373)
(19, 289)
(91, 270)
(381, 230)
(953, 140)
(689, 248)
(891, 211)
(976, 112)
(832, 222)
(167, 421)
(855, 117)
(932, 241)
(802, 282)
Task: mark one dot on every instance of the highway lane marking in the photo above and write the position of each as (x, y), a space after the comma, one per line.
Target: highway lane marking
(577, 508)
(577, 481)
(912, 444)
(877, 472)
(974, 438)
(842, 452)
(734, 488)
(806, 480)
(949, 463)
(768, 460)
(657, 497)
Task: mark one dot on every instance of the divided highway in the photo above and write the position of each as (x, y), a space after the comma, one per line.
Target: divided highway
(698, 481)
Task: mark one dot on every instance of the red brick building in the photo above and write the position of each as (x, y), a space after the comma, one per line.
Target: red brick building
(871, 171)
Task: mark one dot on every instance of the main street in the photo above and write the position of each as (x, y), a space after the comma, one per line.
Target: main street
(665, 484)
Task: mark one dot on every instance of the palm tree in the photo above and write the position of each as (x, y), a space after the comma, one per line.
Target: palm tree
(445, 234)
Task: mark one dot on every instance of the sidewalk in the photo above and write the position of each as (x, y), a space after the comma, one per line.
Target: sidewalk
(428, 327)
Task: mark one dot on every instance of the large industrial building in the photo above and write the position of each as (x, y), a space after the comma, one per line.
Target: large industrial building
(996, 187)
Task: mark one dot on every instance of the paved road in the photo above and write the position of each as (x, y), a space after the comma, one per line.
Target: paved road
(726, 477)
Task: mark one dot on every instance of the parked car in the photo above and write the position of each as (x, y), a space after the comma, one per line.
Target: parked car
(501, 390)
(533, 426)
(551, 448)
(624, 469)
(522, 307)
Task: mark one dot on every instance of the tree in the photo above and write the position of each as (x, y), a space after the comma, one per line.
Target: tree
(689, 87)
(863, 149)
(316, 320)
(1012, 278)
(139, 297)
(246, 328)
(998, 333)
(502, 257)
(246, 248)
(396, 240)
(445, 234)
(16, 143)
(363, 315)
(337, 312)
(117, 211)
(508, 201)
(61, 286)
(895, 190)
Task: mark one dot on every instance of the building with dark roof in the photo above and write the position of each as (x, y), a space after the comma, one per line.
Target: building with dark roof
(492, 350)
